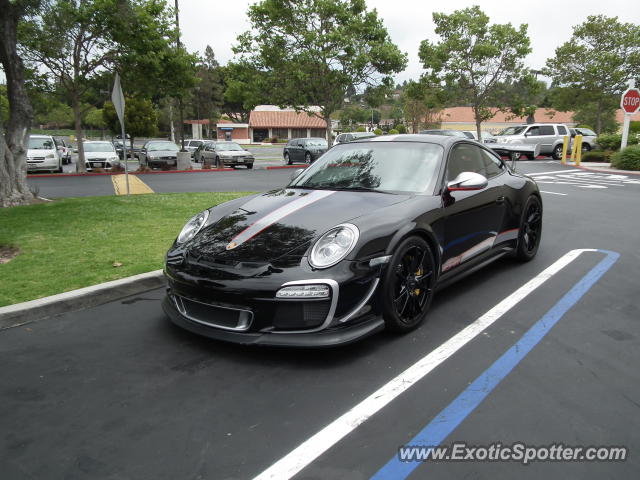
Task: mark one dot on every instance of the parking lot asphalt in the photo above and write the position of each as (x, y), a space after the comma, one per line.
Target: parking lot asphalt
(117, 392)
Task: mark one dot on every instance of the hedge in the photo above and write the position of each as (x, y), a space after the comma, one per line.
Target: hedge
(612, 141)
(627, 159)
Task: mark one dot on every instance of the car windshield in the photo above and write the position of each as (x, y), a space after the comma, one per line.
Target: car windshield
(586, 132)
(98, 147)
(226, 147)
(40, 144)
(164, 146)
(375, 166)
(513, 130)
(317, 143)
(195, 143)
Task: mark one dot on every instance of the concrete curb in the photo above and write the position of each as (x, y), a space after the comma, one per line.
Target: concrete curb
(26, 312)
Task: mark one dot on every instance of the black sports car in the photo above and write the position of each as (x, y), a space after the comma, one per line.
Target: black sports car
(356, 243)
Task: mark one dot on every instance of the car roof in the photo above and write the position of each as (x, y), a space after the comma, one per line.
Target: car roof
(40, 136)
(96, 141)
(443, 140)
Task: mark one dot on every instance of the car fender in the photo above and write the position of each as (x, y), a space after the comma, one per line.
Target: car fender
(423, 231)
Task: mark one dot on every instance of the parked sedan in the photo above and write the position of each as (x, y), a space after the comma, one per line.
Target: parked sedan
(227, 154)
(305, 150)
(100, 155)
(197, 155)
(43, 154)
(356, 243)
(589, 138)
(159, 153)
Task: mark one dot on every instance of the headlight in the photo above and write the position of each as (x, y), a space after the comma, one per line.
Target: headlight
(334, 245)
(192, 227)
(151, 157)
(112, 159)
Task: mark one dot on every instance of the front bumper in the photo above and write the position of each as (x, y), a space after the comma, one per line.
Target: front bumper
(237, 161)
(246, 310)
(325, 338)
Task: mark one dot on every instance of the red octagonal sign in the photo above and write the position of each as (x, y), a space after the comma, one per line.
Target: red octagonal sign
(630, 101)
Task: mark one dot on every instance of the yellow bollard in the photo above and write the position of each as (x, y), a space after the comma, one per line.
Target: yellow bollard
(565, 146)
(573, 147)
(578, 156)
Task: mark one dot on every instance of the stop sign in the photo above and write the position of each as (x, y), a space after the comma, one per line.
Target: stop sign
(630, 101)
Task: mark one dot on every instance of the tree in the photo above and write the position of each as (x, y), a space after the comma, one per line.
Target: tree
(422, 103)
(475, 55)
(13, 142)
(76, 40)
(209, 93)
(95, 118)
(598, 60)
(59, 116)
(314, 51)
(140, 118)
(522, 97)
(244, 89)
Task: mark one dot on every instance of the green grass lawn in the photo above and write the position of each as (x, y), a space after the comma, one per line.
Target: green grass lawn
(73, 243)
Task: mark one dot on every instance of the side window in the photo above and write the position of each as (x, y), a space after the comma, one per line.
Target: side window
(562, 130)
(464, 158)
(340, 138)
(492, 165)
(547, 130)
(348, 138)
(533, 131)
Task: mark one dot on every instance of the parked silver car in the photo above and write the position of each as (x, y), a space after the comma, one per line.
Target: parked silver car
(588, 138)
(549, 136)
(230, 154)
(351, 136)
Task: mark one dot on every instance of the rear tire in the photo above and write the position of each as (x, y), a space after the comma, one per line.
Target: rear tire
(250, 166)
(287, 159)
(586, 147)
(530, 231)
(407, 285)
(557, 152)
(307, 158)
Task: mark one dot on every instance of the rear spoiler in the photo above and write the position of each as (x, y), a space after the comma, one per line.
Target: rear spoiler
(514, 150)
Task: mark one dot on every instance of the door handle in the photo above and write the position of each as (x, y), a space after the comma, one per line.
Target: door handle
(500, 199)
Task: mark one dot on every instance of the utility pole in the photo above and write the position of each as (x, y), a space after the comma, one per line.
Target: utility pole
(180, 106)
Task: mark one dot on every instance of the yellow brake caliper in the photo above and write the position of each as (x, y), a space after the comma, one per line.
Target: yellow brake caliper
(417, 290)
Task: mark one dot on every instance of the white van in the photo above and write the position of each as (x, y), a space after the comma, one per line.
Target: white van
(43, 154)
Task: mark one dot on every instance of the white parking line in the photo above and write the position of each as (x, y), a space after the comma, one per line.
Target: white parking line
(555, 171)
(308, 451)
(552, 193)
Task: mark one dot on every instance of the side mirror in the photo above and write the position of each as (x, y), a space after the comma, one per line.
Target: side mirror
(467, 181)
(296, 173)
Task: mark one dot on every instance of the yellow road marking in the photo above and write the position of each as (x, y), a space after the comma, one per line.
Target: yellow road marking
(136, 186)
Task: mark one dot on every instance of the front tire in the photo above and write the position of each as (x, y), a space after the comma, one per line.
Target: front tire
(287, 159)
(407, 287)
(530, 230)
(307, 158)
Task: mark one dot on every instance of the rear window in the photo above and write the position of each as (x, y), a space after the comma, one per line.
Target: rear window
(562, 130)
(546, 130)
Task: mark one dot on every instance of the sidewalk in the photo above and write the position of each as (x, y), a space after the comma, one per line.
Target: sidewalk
(602, 167)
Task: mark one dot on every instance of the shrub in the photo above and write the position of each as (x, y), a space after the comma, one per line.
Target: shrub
(273, 140)
(614, 140)
(361, 129)
(627, 159)
(401, 129)
(377, 131)
(634, 126)
(393, 131)
(584, 125)
(597, 156)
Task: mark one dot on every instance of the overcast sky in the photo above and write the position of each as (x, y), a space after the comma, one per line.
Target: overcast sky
(218, 23)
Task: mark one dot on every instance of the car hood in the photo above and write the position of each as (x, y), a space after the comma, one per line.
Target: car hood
(98, 155)
(282, 223)
(162, 153)
(39, 153)
(233, 153)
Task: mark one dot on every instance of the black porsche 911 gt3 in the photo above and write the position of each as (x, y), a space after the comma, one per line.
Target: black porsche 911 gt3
(356, 243)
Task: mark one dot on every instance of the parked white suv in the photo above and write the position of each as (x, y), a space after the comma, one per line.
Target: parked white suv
(550, 137)
(43, 154)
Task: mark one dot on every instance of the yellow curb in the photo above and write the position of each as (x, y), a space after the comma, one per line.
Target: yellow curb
(136, 186)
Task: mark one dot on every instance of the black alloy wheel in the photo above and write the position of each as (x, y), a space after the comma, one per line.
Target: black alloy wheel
(530, 229)
(408, 285)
